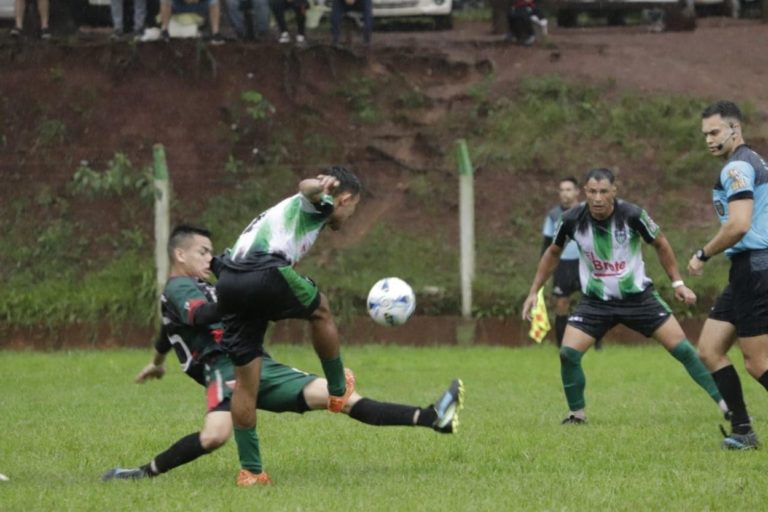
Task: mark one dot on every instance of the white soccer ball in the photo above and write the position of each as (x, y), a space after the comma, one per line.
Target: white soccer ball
(391, 301)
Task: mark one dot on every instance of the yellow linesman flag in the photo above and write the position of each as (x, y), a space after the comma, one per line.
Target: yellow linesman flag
(539, 319)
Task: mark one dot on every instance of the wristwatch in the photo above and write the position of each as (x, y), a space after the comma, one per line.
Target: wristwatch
(700, 255)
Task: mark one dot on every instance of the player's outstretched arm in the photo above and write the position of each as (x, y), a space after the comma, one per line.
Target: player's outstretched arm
(547, 265)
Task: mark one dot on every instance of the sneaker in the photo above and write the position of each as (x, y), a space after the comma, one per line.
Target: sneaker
(301, 40)
(15, 32)
(572, 419)
(45, 34)
(544, 27)
(116, 35)
(529, 40)
(165, 36)
(247, 479)
(337, 403)
(734, 441)
(138, 36)
(124, 474)
(284, 38)
(217, 39)
(447, 408)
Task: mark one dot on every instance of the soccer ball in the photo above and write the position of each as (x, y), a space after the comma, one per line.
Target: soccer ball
(391, 301)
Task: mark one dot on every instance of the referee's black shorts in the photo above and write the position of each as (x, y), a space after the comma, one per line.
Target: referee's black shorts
(744, 302)
(643, 312)
(566, 282)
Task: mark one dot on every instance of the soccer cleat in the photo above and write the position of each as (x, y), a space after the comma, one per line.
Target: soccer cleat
(217, 39)
(734, 441)
(337, 403)
(124, 474)
(247, 479)
(284, 38)
(572, 419)
(447, 408)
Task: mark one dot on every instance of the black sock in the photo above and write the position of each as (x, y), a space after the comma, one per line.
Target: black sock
(382, 414)
(728, 383)
(764, 380)
(561, 321)
(185, 450)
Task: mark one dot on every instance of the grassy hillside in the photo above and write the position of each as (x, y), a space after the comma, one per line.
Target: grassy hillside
(65, 263)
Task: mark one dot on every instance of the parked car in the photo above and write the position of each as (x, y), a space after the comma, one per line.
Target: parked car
(567, 11)
(440, 11)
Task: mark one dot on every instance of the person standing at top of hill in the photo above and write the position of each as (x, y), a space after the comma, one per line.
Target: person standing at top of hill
(258, 284)
(566, 278)
(520, 22)
(341, 7)
(299, 8)
(43, 9)
(740, 198)
(615, 289)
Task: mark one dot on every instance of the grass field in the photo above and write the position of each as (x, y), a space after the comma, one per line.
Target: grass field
(652, 442)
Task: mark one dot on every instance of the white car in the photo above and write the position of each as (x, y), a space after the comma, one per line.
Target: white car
(6, 10)
(439, 10)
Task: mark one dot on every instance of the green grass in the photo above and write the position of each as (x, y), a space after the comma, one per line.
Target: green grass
(652, 441)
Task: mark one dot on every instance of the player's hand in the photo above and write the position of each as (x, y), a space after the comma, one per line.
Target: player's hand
(327, 183)
(685, 294)
(695, 266)
(151, 371)
(529, 305)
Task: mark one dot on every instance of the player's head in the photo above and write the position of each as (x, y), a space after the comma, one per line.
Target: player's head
(568, 189)
(721, 125)
(190, 251)
(345, 196)
(600, 190)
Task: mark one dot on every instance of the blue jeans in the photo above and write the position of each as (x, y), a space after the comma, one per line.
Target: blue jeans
(259, 16)
(340, 7)
(139, 15)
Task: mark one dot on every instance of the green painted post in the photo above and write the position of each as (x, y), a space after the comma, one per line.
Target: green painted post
(162, 217)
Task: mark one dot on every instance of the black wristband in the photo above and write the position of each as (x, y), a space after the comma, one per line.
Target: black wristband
(701, 255)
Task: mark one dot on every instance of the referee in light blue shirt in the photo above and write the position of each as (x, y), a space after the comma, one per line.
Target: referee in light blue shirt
(566, 278)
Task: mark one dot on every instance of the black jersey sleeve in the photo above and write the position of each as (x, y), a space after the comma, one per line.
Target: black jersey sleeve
(566, 227)
(162, 343)
(639, 220)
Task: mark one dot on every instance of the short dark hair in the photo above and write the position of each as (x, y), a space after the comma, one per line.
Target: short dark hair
(572, 179)
(724, 108)
(181, 233)
(600, 173)
(348, 182)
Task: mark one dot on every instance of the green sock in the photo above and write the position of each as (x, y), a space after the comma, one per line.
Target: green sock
(686, 354)
(573, 377)
(248, 449)
(334, 373)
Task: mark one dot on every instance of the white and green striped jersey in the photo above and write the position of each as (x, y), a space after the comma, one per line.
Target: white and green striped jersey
(281, 235)
(611, 262)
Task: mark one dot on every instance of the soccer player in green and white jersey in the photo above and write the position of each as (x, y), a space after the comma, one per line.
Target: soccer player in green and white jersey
(191, 327)
(615, 287)
(258, 284)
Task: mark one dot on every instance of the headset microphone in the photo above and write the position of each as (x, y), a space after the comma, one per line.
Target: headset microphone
(722, 143)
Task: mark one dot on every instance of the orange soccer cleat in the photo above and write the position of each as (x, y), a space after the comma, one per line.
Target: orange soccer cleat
(337, 403)
(247, 479)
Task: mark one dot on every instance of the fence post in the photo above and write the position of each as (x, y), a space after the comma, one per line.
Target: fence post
(466, 226)
(162, 218)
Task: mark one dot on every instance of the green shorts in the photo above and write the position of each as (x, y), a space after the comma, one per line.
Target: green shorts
(280, 386)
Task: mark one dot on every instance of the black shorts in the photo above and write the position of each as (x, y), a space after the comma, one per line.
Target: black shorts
(248, 300)
(566, 279)
(744, 302)
(643, 312)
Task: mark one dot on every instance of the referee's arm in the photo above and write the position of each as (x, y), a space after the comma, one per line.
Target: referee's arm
(732, 230)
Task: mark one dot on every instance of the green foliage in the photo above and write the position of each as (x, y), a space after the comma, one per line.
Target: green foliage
(120, 176)
(50, 132)
(360, 92)
(651, 444)
(256, 105)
